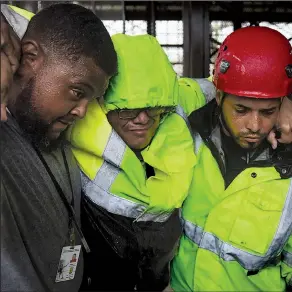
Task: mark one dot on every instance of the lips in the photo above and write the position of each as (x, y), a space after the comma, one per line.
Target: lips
(140, 132)
(67, 123)
(139, 129)
(252, 139)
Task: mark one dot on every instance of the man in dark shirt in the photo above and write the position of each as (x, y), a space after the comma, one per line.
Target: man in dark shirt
(67, 60)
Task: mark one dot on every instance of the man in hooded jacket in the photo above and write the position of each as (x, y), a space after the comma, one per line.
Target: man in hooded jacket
(136, 158)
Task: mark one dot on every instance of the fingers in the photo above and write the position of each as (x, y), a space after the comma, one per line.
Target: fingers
(285, 127)
(286, 138)
(10, 55)
(15, 56)
(272, 139)
(284, 122)
(10, 44)
(3, 113)
(6, 78)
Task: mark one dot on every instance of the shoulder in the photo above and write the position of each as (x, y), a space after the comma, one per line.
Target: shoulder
(195, 93)
(17, 18)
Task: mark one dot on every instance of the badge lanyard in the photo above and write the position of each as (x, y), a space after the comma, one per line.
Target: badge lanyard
(69, 206)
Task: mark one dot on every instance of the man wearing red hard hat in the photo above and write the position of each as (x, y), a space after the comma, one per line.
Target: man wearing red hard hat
(237, 218)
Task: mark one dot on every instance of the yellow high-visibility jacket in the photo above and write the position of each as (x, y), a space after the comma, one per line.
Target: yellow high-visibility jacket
(236, 238)
(17, 18)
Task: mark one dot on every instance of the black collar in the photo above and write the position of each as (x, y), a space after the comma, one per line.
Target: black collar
(206, 122)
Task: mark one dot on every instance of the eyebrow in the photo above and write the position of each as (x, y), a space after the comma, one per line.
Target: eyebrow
(85, 85)
(264, 109)
(241, 105)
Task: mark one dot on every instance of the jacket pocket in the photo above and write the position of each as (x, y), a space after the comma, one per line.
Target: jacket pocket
(257, 221)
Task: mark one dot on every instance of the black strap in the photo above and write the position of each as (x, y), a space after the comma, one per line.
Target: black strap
(69, 207)
(149, 170)
(69, 176)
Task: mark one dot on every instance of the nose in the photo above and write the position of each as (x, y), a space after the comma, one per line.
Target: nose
(254, 122)
(142, 118)
(79, 111)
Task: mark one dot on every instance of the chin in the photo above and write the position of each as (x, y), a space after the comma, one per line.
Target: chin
(52, 136)
(138, 143)
(52, 141)
(250, 145)
(139, 146)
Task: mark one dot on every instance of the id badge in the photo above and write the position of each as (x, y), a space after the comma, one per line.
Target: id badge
(68, 263)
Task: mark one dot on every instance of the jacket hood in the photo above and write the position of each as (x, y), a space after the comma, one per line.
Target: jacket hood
(145, 76)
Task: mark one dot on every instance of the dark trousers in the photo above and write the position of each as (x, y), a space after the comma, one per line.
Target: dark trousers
(126, 256)
(108, 272)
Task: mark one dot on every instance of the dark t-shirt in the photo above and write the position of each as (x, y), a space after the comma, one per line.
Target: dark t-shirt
(34, 220)
(236, 158)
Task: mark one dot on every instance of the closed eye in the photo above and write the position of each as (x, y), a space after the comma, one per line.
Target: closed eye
(241, 110)
(78, 93)
(268, 112)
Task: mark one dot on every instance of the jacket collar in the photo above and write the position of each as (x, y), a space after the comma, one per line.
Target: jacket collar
(206, 122)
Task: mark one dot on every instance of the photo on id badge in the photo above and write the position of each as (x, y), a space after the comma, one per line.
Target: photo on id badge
(68, 263)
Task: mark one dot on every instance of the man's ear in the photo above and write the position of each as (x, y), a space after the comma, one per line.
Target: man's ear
(32, 56)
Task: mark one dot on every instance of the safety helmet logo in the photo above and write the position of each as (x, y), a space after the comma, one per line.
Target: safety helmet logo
(224, 66)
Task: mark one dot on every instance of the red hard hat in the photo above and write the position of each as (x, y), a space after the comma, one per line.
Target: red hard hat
(254, 62)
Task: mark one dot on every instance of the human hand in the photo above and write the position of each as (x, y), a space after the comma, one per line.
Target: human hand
(284, 125)
(10, 55)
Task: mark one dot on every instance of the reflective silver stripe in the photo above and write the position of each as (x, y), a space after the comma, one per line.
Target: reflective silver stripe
(159, 217)
(209, 92)
(224, 250)
(106, 176)
(198, 142)
(98, 190)
(287, 258)
(207, 88)
(109, 201)
(180, 111)
(246, 259)
(17, 21)
(193, 231)
(115, 149)
(196, 136)
(285, 227)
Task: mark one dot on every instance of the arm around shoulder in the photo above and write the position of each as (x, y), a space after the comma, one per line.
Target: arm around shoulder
(195, 93)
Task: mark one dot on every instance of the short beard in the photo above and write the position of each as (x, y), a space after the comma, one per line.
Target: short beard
(251, 145)
(35, 128)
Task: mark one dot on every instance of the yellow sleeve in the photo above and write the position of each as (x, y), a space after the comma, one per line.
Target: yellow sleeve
(195, 93)
(25, 13)
(191, 96)
(286, 264)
